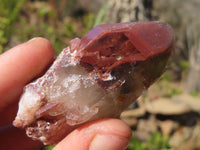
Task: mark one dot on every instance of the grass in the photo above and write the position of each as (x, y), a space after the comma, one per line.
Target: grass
(13, 15)
(9, 14)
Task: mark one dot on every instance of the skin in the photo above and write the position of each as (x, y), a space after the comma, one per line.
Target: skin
(19, 66)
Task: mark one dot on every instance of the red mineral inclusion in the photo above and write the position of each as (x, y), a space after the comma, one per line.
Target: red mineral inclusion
(107, 46)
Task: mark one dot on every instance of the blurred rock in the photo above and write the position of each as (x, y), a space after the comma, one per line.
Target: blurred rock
(130, 116)
(167, 107)
(132, 122)
(167, 127)
(177, 105)
(145, 128)
(192, 102)
(186, 138)
(133, 113)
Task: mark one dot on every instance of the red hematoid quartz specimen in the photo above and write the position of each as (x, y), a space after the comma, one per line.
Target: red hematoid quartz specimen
(96, 77)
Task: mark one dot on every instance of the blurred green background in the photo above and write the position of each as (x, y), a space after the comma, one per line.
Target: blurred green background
(167, 115)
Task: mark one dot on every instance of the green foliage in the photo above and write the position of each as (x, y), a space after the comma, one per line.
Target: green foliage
(4, 22)
(58, 45)
(155, 142)
(49, 147)
(44, 10)
(184, 65)
(90, 20)
(9, 13)
(194, 93)
(166, 76)
(173, 91)
(135, 144)
(69, 30)
(10, 8)
(168, 90)
(39, 19)
(43, 22)
(100, 15)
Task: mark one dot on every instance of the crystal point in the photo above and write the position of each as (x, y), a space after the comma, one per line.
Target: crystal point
(95, 77)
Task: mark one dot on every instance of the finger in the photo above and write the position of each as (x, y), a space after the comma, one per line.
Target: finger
(107, 134)
(15, 139)
(19, 66)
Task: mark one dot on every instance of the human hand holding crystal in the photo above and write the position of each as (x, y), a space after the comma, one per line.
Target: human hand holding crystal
(24, 63)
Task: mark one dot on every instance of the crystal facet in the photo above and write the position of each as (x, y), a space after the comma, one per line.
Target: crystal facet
(96, 77)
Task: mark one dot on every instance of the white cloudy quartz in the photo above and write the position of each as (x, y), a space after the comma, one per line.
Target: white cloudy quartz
(67, 92)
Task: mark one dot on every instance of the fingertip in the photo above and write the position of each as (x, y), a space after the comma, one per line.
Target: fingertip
(45, 43)
(42, 47)
(27, 60)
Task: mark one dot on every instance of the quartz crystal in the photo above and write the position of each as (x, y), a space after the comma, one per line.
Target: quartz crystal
(95, 77)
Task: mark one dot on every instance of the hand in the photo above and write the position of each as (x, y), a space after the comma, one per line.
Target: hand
(19, 66)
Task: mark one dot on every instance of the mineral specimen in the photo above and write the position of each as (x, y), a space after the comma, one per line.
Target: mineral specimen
(96, 77)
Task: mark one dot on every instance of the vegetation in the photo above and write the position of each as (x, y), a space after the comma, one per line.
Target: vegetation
(39, 18)
(9, 14)
(49, 147)
(155, 142)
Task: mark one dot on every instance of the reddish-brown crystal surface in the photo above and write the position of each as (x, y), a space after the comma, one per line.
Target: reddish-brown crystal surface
(108, 46)
(96, 77)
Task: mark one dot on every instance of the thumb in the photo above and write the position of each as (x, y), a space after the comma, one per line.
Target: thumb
(106, 134)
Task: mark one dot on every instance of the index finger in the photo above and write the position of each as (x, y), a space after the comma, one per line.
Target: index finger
(19, 66)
